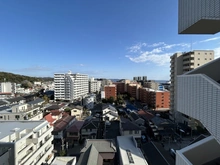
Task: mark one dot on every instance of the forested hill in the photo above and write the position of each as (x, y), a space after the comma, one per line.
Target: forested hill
(10, 77)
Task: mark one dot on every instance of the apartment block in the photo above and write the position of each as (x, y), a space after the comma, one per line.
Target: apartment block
(199, 16)
(181, 63)
(110, 91)
(70, 86)
(25, 142)
(7, 87)
(120, 87)
(94, 85)
(151, 84)
(156, 99)
(133, 89)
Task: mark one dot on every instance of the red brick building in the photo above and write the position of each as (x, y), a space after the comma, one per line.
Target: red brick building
(159, 100)
(120, 87)
(110, 91)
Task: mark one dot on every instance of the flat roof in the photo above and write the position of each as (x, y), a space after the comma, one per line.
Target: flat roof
(10, 127)
(67, 160)
(129, 153)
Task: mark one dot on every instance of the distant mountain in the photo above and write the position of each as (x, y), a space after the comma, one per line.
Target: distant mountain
(11, 77)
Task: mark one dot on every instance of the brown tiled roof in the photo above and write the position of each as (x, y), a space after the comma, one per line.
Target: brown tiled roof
(62, 123)
(76, 126)
(55, 112)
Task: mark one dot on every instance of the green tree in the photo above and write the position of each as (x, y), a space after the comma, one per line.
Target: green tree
(46, 99)
(62, 153)
(132, 99)
(111, 100)
(26, 84)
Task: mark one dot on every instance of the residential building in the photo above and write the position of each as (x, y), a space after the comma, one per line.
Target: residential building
(25, 142)
(156, 99)
(129, 128)
(7, 87)
(109, 113)
(129, 153)
(180, 64)
(120, 86)
(64, 160)
(70, 86)
(61, 125)
(199, 17)
(97, 152)
(90, 128)
(89, 101)
(110, 91)
(133, 89)
(94, 85)
(151, 84)
(77, 112)
(73, 132)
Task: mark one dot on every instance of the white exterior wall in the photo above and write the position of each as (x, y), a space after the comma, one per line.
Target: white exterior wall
(198, 97)
(136, 135)
(77, 113)
(70, 86)
(30, 145)
(7, 87)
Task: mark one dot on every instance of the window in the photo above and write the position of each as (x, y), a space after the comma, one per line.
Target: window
(198, 58)
(198, 64)
(1, 117)
(210, 58)
(205, 58)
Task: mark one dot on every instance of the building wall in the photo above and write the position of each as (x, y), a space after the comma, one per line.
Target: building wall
(33, 148)
(7, 87)
(162, 100)
(120, 87)
(198, 97)
(110, 91)
(194, 16)
(77, 113)
(132, 133)
(180, 64)
(70, 86)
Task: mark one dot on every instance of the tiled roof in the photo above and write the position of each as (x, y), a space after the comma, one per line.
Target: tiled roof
(37, 101)
(62, 123)
(53, 107)
(55, 112)
(128, 125)
(76, 126)
(16, 99)
(49, 119)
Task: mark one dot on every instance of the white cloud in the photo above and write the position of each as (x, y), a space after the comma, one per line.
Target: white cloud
(159, 55)
(137, 47)
(211, 39)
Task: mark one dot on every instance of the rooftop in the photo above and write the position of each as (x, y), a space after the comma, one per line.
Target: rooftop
(67, 160)
(10, 127)
(129, 152)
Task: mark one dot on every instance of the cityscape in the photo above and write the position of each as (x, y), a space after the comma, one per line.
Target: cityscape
(158, 104)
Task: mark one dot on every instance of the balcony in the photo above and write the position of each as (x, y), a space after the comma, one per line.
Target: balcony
(43, 136)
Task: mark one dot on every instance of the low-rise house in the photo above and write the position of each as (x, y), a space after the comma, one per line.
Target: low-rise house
(16, 100)
(135, 118)
(77, 111)
(61, 125)
(129, 128)
(50, 119)
(129, 153)
(35, 102)
(97, 152)
(56, 114)
(109, 113)
(90, 128)
(73, 132)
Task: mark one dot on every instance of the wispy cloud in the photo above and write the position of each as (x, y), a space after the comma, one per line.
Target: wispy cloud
(137, 47)
(211, 39)
(160, 54)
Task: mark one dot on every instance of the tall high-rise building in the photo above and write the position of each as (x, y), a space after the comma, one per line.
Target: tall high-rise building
(70, 86)
(199, 16)
(182, 63)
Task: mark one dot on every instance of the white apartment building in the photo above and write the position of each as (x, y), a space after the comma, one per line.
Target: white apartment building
(25, 142)
(198, 95)
(199, 16)
(7, 87)
(89, 101)
(70, 86)
(180, 64)
(94, 85)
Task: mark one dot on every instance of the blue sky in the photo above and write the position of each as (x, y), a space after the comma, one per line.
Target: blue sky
(101, 38)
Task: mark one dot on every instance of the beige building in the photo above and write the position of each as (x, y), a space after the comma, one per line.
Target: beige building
(182, 63)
